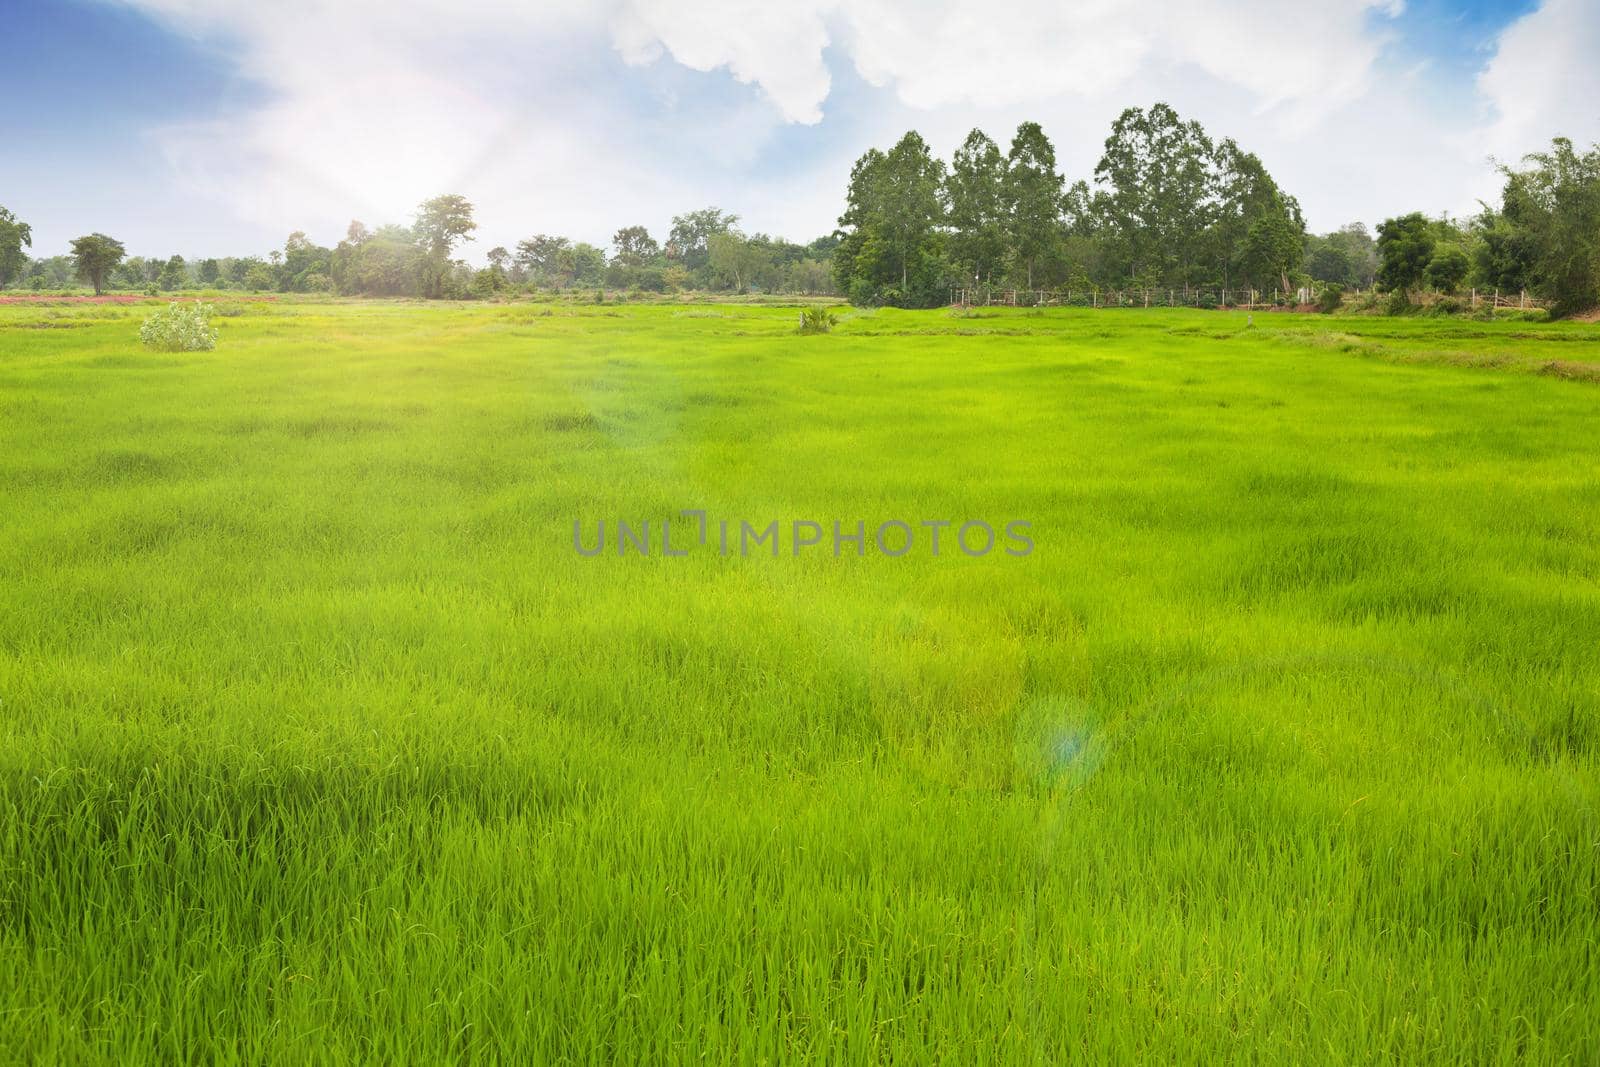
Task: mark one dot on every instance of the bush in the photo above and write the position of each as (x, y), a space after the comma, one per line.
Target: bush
(816, 319)
(1399, 303)
(179, 328)
(1330, 298)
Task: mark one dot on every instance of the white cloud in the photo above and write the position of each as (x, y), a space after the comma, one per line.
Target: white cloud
(585, 117)
(1003, 52)
(1544, 80)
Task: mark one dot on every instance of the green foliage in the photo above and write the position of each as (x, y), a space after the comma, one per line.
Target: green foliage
(1398, 302)
(976, 210)
(1032, 195)
(1553, 202)
(1447, 269)
(816, 319)
(1158, 173)
(689, 239)
(179, 327)
(1330, 298)
(96, 256)
(892, 250)
(1405, 248)
(15, 235)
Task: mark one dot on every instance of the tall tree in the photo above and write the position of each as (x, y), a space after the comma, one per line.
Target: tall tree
(95, 256)
(1405, 246)
(1555, 200)
(975, 208)
(1257, 230)
(689, 240)
(540, 255)
(634, 246)
(15, 235)
(1159, 203)
(441, 224)
(1033, 198)
(736, 259)
(910, 202)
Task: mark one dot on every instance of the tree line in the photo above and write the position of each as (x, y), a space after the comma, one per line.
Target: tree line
(704, 250)
(1167, 206)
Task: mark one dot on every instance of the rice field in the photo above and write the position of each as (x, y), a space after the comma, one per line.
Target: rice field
(321, 741)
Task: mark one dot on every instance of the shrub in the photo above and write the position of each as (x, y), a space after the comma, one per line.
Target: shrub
(816, 319)
(1330, 298)
(179, 328)
(1399, 303)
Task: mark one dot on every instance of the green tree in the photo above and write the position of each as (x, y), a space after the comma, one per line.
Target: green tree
(441, 224)
(1033, 199)
(689, 240)
(1405, 247)
(541, 256)
(890, 247)
(1159, 199)
(95, 256)
(15, 235)
(210, 272)
(910, 201)
(1329, 263)
(736, 259)
(1555, 201)
(1447, 269)
(634, 246)
(1504, 254)
(975, 208)
(1257, 230)
(173, 274)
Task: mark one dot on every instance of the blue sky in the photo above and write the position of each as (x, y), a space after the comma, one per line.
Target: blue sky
(212, 127)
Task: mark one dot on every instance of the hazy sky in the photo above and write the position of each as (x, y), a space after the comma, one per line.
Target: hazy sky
(212, 127)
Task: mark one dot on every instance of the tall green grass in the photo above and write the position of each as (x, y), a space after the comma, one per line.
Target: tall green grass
(318, 742)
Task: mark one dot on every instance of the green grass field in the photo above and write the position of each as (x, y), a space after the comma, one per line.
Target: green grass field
(319, 741)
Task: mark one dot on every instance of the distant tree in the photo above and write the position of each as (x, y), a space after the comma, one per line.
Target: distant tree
(634, 246)
(306, 266)
(541, 256)
(260, 278)
(1159, 201)
(582, 264)
(1447, 269)
(441, 224)
(499, 258)
(736, 259)
(15, 235)
(1271, 250)
(96, 255)
(1329, 263)
(384, 262)
(1554, 199)
(1033, 193)
(891, 248)
(1504, 254)
(975, 208)
(1257, 231)
(689, 240)
(1358, 244)
(210, 272)
(173, 274)
(809, 276)
(1405, 247)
